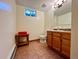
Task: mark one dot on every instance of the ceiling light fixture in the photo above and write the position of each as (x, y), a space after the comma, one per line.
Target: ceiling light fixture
(59, 3)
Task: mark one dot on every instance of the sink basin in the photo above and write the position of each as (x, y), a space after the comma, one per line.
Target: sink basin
(63, 29)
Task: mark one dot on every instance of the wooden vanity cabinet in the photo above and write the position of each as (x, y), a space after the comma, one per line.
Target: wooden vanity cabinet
(49, 38)
(59, 41)
(56, 41)
(66, 44)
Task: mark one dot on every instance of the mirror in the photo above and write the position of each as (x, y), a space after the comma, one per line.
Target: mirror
(63, 15)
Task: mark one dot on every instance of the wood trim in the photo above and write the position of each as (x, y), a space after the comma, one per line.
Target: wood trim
(14, 52)
(34, 40)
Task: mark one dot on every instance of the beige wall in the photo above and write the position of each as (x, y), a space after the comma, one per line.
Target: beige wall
(47, 21)
(33, 25)
(50, 20)
(74, 32)
(7, 28)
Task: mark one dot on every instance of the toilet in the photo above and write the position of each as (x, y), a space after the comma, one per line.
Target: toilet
(42, 38)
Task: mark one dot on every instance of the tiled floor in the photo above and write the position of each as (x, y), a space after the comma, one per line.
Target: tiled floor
(36, 50)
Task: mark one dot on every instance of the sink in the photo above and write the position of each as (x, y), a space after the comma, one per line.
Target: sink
(63, 29)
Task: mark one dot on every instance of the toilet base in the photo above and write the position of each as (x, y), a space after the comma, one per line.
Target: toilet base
(42, 40)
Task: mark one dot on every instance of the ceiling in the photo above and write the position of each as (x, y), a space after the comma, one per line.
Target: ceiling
(37, 4)
(44, 5)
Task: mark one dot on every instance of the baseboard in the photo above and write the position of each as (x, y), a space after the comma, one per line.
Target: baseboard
(34, 40)
(12, 53)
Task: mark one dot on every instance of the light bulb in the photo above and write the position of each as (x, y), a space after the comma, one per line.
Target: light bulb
(59, 2)
(65, 0)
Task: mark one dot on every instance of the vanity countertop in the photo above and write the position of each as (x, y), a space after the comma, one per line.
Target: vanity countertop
(59, 31)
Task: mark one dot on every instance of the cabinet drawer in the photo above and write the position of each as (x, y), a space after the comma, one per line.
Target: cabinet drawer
(56, 34)
(49, 33)
(55, 37)
(66, 35)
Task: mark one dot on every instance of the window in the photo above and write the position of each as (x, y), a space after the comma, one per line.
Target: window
(30, 12)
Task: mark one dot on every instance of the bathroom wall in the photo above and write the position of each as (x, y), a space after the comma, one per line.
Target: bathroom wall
(74, 31)
(33, 25)
(50, 20)
(7, 28)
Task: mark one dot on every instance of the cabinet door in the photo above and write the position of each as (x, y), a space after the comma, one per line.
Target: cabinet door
(56, 43)
(66, 47)
(66, 38)
(49, 38)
